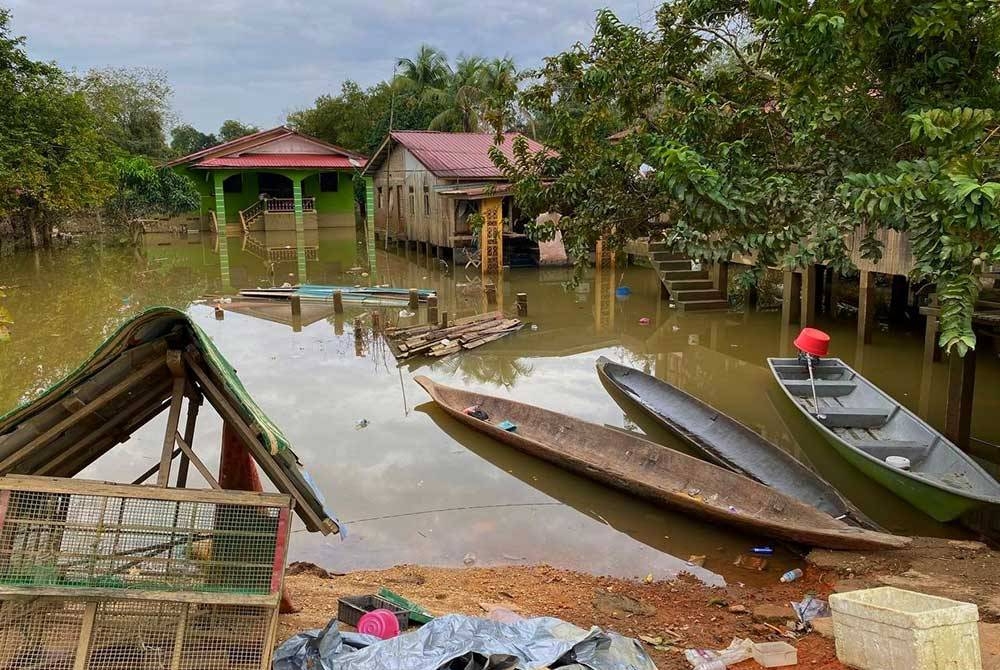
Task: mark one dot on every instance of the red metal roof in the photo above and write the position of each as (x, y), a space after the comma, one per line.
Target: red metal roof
(458, 155)
(247, 161)
(241, 145)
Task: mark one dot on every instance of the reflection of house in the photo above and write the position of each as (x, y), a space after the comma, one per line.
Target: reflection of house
(277, 179)
(428, 183)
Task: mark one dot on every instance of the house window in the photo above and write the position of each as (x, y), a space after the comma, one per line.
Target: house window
(412, 205)
(380, 197)
(233, 184)
(427, 201)
(329, 182)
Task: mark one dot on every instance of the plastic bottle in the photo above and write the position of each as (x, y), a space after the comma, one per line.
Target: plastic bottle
(717, 664)
(791, 575)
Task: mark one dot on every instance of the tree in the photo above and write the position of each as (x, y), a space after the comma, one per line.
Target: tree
(186, 139)
(142, 191)
(53, 157)
(233, 130)
(776, 128)
(132, 106)
(461, 97)
(427, 72)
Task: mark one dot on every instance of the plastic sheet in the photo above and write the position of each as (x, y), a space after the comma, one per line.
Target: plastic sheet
(478, 644)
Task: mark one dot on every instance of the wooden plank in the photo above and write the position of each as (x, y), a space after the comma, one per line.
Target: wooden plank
(807, 313)
(121, 417)
(173, 419)
(194, 404)
(961, 384)
(86, 637)
(97, 403)
(141, 479)
(175, 661)
(8, 592)
(260, 454)
(205, 472)
(100, 488)
(866, 307)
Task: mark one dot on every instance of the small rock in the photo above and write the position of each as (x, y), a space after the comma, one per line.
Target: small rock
(773, 613)
(469, 559)
(696, 559)
(738, 609)
(823, 626)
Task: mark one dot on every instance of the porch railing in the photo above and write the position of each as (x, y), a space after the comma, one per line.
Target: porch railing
(288, 204)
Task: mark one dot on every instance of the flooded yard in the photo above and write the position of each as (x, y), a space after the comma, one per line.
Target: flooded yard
(412, 485)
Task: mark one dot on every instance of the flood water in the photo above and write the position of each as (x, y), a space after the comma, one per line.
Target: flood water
(414, 486)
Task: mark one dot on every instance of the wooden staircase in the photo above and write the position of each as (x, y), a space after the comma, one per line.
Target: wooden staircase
(691, 290)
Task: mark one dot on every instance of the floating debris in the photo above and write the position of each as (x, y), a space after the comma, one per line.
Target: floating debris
(434, 340)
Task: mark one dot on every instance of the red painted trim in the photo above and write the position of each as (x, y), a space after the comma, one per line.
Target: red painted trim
(280, 550)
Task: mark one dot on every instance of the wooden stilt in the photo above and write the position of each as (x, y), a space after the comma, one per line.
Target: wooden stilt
(173, 418)
(491, 292)
(296, 313)
(932, 352)
(720, 278)
(899, 299)
(338, 325)
(444, 319)
(961, 384)
(866, 306)
(432, 309)
(791, 304)
(376, 321)
(194, 404)
(338, 302)
(522, 304)
(414, 300)
(808, 296)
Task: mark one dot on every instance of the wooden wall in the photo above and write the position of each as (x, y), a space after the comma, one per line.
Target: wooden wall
(897, 256)
(401, 176)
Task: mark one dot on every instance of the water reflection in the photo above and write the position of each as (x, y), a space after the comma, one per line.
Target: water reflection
(421, 488)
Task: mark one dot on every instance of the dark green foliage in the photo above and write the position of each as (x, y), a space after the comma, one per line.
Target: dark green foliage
(186, 139)
(233, 130)
(776, 127)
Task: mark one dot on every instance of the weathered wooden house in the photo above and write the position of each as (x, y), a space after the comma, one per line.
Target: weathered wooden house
(274, 180)
(427, 184)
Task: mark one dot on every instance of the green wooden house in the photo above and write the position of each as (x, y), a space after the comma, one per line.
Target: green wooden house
(274, 180)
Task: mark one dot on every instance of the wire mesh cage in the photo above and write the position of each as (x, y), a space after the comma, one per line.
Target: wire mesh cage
(78, 534)
(53, 633)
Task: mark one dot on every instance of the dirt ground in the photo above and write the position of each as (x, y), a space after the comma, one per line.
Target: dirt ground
(682, 613)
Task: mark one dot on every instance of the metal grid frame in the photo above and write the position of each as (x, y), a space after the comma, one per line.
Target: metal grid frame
(75, 536)
(54, 633)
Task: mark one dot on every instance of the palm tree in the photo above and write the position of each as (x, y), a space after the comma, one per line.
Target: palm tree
(499, 86)
(462, 98)
(428, 72)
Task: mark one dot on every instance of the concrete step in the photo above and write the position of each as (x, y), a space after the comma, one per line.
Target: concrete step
(658, 246)
(689, 284)
(673, 265)
(697, 294)
(702, 305)
(674, 275)
(666, 255)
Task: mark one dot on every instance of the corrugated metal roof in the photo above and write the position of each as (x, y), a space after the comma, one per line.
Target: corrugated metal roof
(324, 161)
(250, 142)
(458, 155)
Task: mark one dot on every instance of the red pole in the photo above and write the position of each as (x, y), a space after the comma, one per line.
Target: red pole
(238, 472)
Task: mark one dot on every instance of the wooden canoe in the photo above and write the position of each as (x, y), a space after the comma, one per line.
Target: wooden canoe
(726, 441)
(665, 476)
(866, 426)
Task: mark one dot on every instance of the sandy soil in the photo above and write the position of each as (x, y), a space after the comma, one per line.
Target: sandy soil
(685, 613)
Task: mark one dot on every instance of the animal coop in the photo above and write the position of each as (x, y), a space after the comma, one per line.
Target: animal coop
(108, 577)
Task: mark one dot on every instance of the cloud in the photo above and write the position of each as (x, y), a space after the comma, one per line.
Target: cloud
(256, 62)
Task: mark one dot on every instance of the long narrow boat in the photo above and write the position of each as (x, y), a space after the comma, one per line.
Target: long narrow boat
(726, 441)
(867, 427)
(665, 476)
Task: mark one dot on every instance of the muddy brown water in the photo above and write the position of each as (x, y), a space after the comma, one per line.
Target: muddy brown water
(414, 486)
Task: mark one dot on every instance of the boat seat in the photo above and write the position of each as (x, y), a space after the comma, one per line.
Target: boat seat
(881, 449)
(798, 372)
(825, 388)
(853, 417)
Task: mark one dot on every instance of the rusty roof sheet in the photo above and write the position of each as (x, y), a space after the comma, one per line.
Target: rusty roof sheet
(458, 155)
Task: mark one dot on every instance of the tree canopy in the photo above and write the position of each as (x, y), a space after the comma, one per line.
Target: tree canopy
(233, 130)
(775, 128)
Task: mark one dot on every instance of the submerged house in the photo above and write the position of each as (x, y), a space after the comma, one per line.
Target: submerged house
(267, 180)
(427, 184)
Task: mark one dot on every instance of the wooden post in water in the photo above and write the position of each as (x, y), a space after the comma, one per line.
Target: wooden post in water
(414, 300)
(491, 292)
(296, 313)
(522, 304)
(376, 321)
(432, 309)
(791, 305)
(359, 337)
(961, 384)
(807, 314)
(932, 352)
(828, 290)
(720, 278)
(866, 307)
(444, 319)
(338, 302)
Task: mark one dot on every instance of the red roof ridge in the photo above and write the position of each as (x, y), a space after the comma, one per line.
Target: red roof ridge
(247, 142)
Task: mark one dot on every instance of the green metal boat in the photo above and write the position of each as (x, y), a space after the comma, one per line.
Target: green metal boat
(885, 440)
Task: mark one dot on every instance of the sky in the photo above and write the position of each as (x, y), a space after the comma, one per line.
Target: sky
(256, 62)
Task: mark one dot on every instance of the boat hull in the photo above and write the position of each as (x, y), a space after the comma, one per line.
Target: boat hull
(659, 474)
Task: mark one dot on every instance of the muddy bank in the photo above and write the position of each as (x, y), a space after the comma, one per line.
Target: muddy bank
(682, 613)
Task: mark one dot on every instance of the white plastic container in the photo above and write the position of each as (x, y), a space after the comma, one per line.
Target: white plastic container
(891, 629)
(775, 654)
